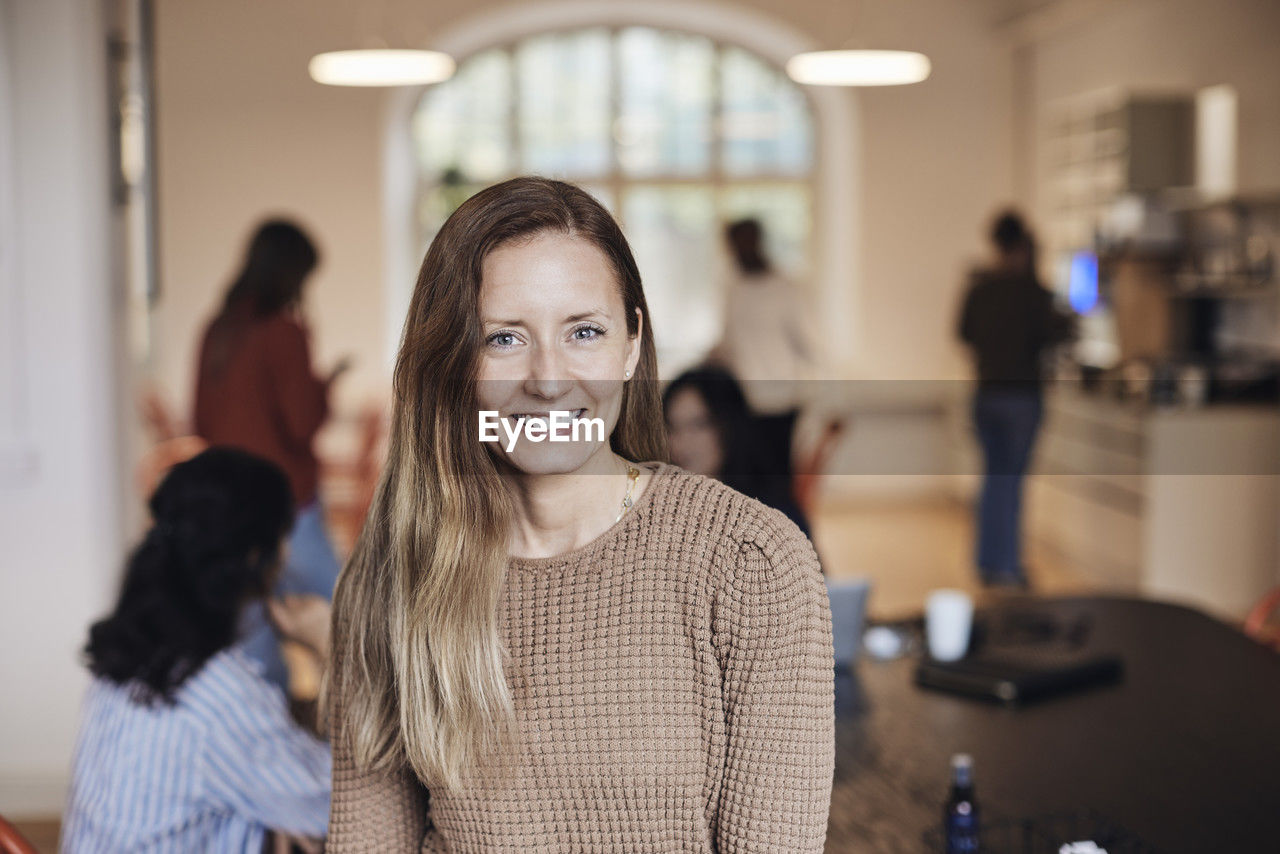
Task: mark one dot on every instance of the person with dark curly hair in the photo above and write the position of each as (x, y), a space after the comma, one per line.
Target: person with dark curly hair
(184, 744)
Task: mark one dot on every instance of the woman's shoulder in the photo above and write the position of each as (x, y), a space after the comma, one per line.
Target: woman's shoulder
(693, 508)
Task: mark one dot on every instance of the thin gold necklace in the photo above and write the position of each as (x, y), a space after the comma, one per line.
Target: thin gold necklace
(633, 474)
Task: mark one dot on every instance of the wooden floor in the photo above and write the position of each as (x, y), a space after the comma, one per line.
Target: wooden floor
(905, 549)
(42, 834)
(909, 549)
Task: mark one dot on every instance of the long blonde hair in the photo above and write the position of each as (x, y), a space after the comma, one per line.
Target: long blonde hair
(417, 657)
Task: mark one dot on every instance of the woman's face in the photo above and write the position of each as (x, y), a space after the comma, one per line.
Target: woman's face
(554, 339)
(692, 437)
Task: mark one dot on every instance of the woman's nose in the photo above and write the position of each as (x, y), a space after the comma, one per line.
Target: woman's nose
(548, 376)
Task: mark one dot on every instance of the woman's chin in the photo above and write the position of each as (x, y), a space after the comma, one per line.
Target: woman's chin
(548, 458)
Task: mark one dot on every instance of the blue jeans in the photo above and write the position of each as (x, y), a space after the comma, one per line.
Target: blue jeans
(1006, 422)
(311, 566)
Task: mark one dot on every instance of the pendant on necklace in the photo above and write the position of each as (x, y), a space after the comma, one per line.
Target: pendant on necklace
(633, 474)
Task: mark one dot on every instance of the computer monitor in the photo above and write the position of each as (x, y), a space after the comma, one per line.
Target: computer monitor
(1082, 281)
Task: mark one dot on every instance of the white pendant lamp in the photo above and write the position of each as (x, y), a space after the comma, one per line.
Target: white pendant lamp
(858, 67)
(381, 67)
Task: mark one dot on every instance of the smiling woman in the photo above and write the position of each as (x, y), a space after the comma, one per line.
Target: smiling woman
(569, 644)
(557, 336)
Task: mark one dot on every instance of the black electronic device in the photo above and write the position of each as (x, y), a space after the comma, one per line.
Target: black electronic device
(1015, 677)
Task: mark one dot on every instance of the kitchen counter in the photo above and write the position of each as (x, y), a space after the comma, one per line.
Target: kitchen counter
(1179, 503)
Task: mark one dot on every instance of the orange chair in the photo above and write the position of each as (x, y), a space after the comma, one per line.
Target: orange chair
(356, 479)
(157, 415)
(1256, 624)
(811, 468)
(13, 842)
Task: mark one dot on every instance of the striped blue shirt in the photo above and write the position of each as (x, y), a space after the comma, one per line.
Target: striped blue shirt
(209, 774)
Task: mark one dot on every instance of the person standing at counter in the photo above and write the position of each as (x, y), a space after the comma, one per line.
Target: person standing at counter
(1009, 321)
(256, 390)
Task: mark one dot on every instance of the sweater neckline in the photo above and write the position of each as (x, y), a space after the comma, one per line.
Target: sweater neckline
(630, 519)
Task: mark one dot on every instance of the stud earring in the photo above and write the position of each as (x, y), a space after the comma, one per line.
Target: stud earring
(627, 375)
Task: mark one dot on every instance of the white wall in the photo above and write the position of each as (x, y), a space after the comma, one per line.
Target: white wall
(1175, 44)
(229, 158)
(937, 161)
(1187, 45)
(243, 131)
(59, 477)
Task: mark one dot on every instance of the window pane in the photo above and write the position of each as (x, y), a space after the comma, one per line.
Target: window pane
(564, 112)
(664, 125)
(785, 212)
(462, 128)
(440, 201)
(620, 112)
(672, 231)
(765, 120)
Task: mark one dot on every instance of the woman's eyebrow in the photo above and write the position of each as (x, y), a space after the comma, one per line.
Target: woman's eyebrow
(595, 312)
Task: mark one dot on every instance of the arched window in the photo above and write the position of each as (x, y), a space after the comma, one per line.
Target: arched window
(675, 133)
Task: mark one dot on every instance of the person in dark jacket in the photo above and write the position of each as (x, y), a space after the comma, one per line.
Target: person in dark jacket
(1009, 321)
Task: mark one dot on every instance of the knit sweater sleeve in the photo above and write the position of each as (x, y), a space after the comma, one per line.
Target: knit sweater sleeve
(772, 631)
(372, 812)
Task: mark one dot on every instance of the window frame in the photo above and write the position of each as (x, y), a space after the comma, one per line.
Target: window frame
(615, 180)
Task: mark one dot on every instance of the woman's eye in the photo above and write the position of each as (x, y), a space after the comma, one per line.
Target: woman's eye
(587, 333)
(501, 339)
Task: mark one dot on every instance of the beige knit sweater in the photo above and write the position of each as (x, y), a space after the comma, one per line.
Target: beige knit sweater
(673, 692)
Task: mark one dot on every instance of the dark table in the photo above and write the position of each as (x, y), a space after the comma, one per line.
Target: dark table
(1184, 752)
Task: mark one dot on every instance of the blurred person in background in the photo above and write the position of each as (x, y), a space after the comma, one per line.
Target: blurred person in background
(184, 745)
(711, 431)
(1009, 321)
(765, 342)
(256, 390)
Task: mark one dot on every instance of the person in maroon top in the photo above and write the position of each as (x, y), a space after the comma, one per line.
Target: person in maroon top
(256, 390)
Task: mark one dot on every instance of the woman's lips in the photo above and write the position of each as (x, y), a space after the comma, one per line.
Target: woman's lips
(564, 430)
(546, 416)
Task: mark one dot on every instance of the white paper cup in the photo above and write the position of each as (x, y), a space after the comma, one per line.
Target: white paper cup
(948, 618)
